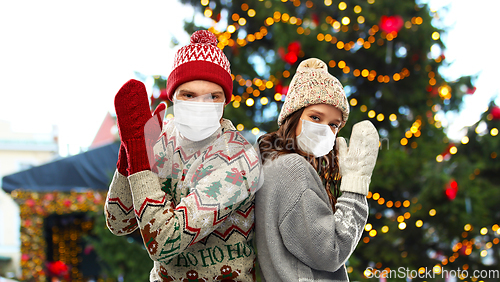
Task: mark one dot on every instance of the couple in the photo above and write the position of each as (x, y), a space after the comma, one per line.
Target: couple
(195, 190)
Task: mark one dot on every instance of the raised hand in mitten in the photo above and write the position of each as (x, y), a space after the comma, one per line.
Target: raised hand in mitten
(122, 163)
(138, 128)
(358, 160)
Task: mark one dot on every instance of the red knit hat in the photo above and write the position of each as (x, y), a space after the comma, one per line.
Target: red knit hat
(201, 60)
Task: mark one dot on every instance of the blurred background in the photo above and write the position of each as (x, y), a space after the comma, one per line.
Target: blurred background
(423, 71)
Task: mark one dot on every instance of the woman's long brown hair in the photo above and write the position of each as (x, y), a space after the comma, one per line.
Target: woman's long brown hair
(283, 141)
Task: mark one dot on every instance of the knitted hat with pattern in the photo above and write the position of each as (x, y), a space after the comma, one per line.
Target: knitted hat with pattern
(201, 60)
(312, 84)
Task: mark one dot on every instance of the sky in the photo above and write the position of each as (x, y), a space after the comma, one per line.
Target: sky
(62, 62)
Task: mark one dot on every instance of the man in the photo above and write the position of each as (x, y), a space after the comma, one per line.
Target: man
(192, 194)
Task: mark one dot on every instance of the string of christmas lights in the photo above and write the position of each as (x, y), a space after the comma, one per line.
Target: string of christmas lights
(34, 208)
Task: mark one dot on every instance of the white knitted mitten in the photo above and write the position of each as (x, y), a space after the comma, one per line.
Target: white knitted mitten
(357, 162)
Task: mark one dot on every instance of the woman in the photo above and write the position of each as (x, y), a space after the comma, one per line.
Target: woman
(304, 232)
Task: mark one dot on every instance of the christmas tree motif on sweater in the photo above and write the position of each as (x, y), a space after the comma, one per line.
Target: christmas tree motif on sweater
(213, 190)
(172, 245)
(227, 274)
(254, 184)
(168, 188)
(232, 200)
(235, 176)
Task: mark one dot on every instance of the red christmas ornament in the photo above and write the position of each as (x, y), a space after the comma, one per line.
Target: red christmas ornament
(451, 190)
(292, 55)
(278, 88)
(447, 150)
(281, 52)
(463, 249)
(284, 91)
(294, 47)
(433, 91)
(235, 50)
(471, 91)
(291, 58)
(391, 23)
(315, 19)
(495, 112)
(217, 18)
(88, 249)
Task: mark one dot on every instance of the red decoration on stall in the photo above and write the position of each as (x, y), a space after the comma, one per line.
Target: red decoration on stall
(25, 257)
(67, 203)
(391, 23)
(30, 203)
(49, 197)
(451, 190)
(58, 269)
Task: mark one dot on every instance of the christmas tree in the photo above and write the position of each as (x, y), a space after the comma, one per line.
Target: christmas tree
(213, 190)
(432, 201)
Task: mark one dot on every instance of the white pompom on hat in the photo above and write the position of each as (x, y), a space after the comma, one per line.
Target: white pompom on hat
(312, 84)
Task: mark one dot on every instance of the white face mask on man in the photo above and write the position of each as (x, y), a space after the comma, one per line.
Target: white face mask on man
(317, 139)
(197, 120)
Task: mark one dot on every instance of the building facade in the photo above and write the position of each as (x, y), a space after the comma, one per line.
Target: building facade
(18, 151)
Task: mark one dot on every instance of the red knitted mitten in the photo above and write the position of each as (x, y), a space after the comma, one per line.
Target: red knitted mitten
(138, 131)
(121, 164)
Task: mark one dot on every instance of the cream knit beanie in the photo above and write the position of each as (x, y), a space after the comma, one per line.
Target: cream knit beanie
(312, 84)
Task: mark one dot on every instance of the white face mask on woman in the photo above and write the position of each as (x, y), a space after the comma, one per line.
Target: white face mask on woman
(317, 139)
(197, 120)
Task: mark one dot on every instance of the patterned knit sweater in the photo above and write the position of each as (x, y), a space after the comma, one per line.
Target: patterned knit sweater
(299, 237)
(196, 216)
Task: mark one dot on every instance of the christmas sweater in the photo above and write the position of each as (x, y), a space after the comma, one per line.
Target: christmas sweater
(196, 214)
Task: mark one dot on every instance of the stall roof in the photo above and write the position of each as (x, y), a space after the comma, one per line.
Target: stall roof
(89, 170)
